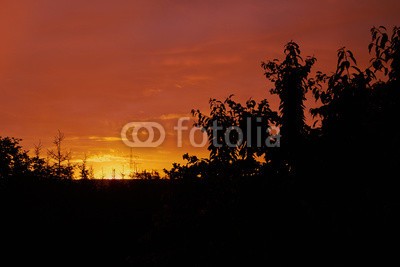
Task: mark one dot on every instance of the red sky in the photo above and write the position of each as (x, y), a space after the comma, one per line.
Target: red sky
(89, 67)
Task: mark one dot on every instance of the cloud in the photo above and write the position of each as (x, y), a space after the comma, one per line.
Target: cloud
(106, 158)
(172, 116)
(105, 138)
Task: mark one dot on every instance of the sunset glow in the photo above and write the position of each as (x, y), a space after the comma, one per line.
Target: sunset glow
(89, 67)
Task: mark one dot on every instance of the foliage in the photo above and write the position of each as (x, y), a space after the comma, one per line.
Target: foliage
(194, 168)
(14, 161)
(355, 108)
(291, 82)
(253, 119)
(387, 51)
(39, 166)
(146, 175)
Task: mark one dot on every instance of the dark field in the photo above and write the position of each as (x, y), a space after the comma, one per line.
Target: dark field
(158, 223)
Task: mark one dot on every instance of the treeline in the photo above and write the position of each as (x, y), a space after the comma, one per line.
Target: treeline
(354, 134)
(16, 163)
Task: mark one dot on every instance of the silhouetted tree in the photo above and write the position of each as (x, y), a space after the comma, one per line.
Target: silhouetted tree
(91, 173)
(63, 171)
(14, 161)
(194, 168)
(291, 84)
(146, 175)
(83, 170)
(387, 51)
(242, 134)
(39, 166)
(358, 112)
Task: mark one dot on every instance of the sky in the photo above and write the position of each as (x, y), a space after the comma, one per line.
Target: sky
(88, 68)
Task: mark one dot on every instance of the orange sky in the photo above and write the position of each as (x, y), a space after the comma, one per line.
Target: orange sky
(89, 67)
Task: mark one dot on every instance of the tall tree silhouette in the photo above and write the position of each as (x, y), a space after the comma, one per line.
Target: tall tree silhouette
(60, 157)
(291, 83)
